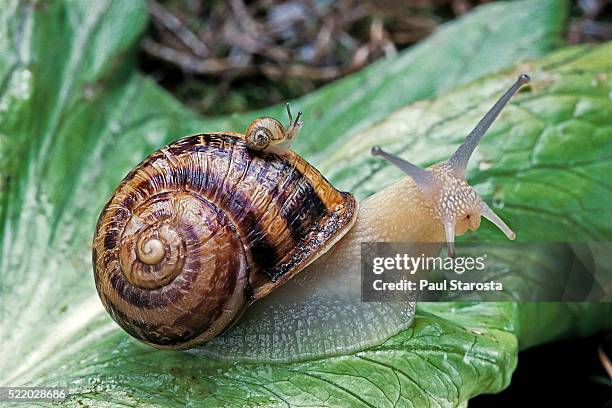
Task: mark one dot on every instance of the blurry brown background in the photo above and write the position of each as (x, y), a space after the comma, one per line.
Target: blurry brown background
(235, 55)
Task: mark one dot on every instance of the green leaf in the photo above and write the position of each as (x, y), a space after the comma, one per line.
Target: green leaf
(75, 116)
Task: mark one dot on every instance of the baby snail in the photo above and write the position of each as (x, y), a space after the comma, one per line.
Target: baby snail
(269, 134)
(212, 223)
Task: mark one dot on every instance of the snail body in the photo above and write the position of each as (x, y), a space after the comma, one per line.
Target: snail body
(212, 223)
(319, 312)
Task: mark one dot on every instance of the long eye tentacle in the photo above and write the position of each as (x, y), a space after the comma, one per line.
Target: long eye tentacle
(288, 106)
(423, 178)
(488, 213)
(294, 127)
(297, 121)
(461, 157)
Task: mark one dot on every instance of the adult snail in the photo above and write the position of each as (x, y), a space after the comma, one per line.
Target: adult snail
(209, 224)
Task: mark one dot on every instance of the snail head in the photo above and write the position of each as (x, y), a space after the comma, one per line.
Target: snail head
(447, 195)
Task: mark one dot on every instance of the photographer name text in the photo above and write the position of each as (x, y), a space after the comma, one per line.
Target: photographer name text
(408, 266)
(445, 285)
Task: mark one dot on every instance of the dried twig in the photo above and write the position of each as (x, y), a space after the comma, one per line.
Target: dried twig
(191, 64)
(605, 361)
(234, 43)
(170, 22)
(301, 44)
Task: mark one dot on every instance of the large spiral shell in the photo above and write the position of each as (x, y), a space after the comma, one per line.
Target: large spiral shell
(205, 226)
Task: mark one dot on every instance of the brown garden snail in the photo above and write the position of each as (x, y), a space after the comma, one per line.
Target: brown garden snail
(209, 224)
(269, 134)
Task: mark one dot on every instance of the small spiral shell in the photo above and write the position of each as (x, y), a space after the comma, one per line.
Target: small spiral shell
(204, 227)
(259, 139)
(263, 132)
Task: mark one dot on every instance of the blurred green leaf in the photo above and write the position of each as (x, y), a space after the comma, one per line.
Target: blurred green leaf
(75, 116)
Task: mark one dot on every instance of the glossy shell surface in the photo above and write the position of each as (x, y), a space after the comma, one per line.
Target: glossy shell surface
(234, 224)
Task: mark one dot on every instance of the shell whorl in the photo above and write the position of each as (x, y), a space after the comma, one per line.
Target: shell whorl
(203, 227)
